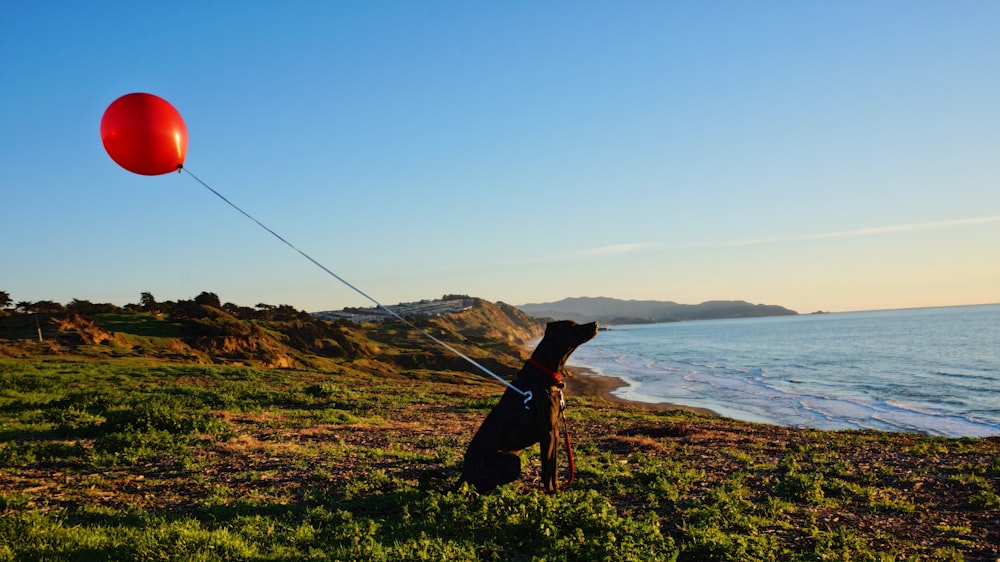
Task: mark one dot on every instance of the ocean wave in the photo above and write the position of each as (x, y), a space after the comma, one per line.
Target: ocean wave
(822, 379)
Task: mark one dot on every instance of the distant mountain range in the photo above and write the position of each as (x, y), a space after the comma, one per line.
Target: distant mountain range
(616, 311)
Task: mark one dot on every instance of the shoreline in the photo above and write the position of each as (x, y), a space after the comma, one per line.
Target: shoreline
(583, 381)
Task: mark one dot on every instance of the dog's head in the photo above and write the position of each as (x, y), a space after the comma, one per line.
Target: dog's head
(569, 334)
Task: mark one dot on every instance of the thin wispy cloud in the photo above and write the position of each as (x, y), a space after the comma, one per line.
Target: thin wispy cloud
(538, 260)
(891, 229)
(614, 249)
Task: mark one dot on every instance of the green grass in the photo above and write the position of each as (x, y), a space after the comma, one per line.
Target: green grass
(139, 324)
(107, 460)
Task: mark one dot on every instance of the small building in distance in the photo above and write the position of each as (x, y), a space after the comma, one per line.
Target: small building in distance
(422, 309)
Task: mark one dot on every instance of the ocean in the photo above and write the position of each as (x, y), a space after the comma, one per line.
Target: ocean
(933, 370)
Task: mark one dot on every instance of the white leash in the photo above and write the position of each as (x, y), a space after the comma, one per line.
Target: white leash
(525, 393)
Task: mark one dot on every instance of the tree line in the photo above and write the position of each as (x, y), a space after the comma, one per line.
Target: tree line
(148, 303)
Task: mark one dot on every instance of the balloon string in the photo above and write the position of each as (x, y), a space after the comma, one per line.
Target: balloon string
(449, 347)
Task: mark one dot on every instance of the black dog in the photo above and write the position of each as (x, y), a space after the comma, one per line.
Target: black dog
(492, 458)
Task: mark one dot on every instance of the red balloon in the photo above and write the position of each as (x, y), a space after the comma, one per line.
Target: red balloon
(144, 134)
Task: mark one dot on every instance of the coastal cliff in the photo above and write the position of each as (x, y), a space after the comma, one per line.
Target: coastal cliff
(205, 331)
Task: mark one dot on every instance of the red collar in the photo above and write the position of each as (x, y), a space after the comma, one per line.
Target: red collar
(544, 369)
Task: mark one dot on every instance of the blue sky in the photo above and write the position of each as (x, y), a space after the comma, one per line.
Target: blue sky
(816, 155)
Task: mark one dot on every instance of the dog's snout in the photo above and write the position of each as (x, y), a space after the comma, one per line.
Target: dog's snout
(587, 331)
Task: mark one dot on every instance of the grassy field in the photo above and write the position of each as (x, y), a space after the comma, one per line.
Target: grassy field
(132, 460)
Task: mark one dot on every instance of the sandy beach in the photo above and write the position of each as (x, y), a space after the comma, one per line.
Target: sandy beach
(581, 381)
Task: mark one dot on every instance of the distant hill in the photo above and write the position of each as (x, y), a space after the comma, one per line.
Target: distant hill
(616, 311)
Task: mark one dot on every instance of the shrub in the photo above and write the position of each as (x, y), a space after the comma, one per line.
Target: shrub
(985, 499)
(843, 545)
(802, 488)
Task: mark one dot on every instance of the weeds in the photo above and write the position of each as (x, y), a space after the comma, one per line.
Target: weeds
(107, 460)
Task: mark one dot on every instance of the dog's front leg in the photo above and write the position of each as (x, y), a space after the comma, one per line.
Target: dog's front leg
(549, 450)
(548, 438)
